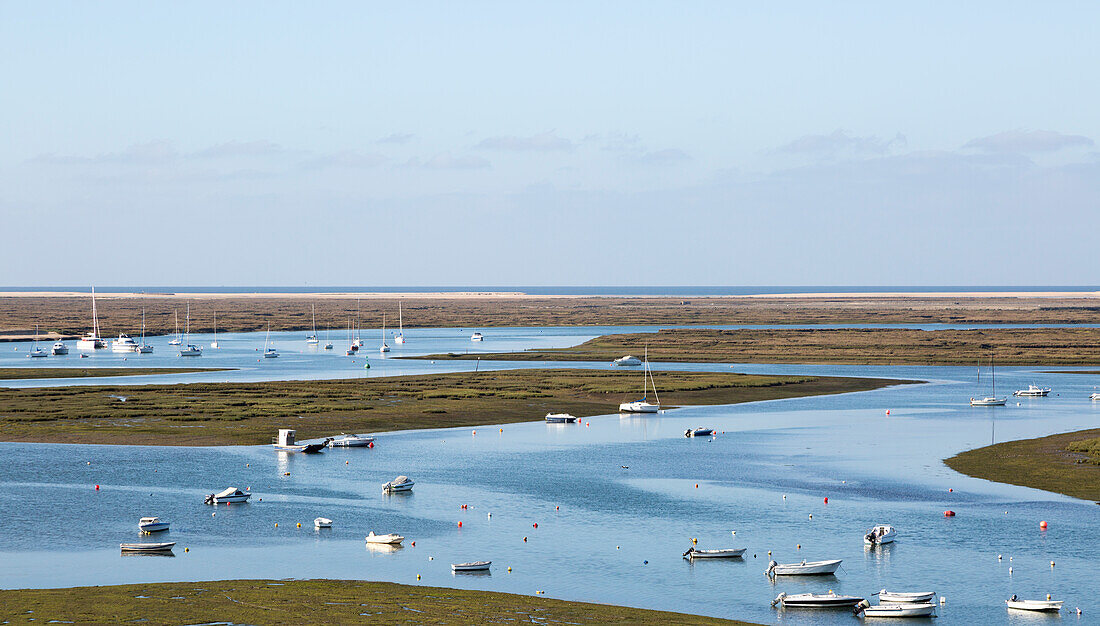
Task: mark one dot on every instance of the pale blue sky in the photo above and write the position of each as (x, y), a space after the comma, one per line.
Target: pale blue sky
(559, 143)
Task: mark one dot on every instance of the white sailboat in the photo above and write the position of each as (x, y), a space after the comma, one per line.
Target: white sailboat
(644, 405)
(356, 341)
(214, 344)
(383, 348)
(991, 400)
(143, 348)
(269, 351)
(352, 348)
(400, 336)
(36, 352)
(92, 340)
(178, 341)
(189, 349)
(312, 339)
(328, 343)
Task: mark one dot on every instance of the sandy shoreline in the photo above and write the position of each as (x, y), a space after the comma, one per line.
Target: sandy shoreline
(519, 295)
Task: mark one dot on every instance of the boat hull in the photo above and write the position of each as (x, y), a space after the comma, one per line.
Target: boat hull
(886, 597)
(728, 553)
(817, 601)
(477, 566)
(900, 610)
(815, 568)
(1043, 606)
(638, 407)
(153, 528)
(147, 547)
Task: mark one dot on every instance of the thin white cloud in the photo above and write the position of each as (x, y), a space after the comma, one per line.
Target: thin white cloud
(259, 147)
(668, 156)
(346, 159)
(1027, 142)
(542, 142)
(841, 142)
(447, 161)
(398, 138)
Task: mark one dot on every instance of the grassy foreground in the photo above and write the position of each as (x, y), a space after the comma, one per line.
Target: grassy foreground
(310, 602)
(874, 346)
(29, 373)
(250, 413)
(1068, 463)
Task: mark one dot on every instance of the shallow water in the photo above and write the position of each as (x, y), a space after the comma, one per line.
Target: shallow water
(598, 523)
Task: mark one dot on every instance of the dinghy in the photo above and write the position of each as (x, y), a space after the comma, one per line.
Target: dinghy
(560, 418)
(1034, 605)
(898, 597)
(390, 539)
(474, 566)
(322, 522)
(399, 484)
(698, 432)
(816, 601)
(231, 495)
(151, 525)
(147, 547)
(350, 441)
(805, 568)
(720, 553)
(883, 533)
(924, 609)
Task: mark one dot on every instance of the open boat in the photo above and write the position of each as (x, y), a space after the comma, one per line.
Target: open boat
(883, 533)
(1032, 392)
(1095, 396)
(285, 443)
(816, 601)
(990, 400)
(720, 553)
(644, 405)
(350, 441)
(627, 361)
(923, 609)
(805, 568)
(322, 522)
(230, 495)
(401, 483)
(560, 418)
(390, 539)
(473, 566)
(1034, 605)
(147, 547)
(477, 337)
(151, 525)
(898, 597)
(699, 432)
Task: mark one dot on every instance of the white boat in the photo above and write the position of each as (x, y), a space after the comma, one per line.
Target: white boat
(816, 601)
(477, 337)
(151, 525)
(922, 609)
(1034, 605)
(1032, 392)
(560, 418)
(383, 348)
(143, 348)
(269, 351)
(178, 341)
(190, 349)
(1095, 396)
(59, 349)
(312, 339)
(230, 495)
(399, 484)
(322, 522)
(900, 597)
(990, 400)
(284, 442)
(644, 405)
(350, 441)
(147, 547)
(37, 352)
(391, 539)
(699, 432)
(720, 553)
(473, 566)
(400, 336)
(883, 533)
(805, 568)
(357, 341)
(124, 343)
(91, 340)
(627, 360)
(214, 344)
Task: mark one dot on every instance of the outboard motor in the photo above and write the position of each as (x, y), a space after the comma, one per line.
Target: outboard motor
(779, 598)
(771, 570)
(209, 499)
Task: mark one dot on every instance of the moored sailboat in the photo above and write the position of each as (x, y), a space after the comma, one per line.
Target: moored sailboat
(92, 340)
(990, 400)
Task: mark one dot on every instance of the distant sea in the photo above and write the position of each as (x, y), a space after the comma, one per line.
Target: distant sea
(603, 290)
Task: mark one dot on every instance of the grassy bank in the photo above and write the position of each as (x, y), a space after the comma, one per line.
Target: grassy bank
(71, 316)
(310, 602)
(876, 346)
(250, 413)
(29, 373)
(1068, 463)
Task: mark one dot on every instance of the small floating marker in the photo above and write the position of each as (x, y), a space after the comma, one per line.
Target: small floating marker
(97, 487)
(784, 496)
(1078, 610)
(501, 430)
(1010, 571)
(588, 423)
(694, 541)
(949, 513)
(418, 576)
(1009, 559)
(887, 411)
(346, 462)
(769, 552)
(215, 514)
(509, 569)
(286, 473)
(616, 547)
(187, 549)
(370, 444)
(276, 524)
(89, 462)
(950, 490)
(557, 508)
(525, 540)
(998, 557)
(811, 515)
(943, 600)
(1043, 525)
(460, 524)
(1052, 565)
(475, 432)
(826, 501)
(1048, 596)
(299, 524)
(696, 486)
(645, 562)
(413, 544)
(489, 515)
(248, 465)
(535, 525)
(799, 546)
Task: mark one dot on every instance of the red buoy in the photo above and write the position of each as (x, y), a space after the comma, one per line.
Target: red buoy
(826, 501)
(949, 513)
(535, 525)
(1043, 525)
(97, 487)
(460, 524)
(370, 444)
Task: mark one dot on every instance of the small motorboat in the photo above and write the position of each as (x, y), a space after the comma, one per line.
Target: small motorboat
(284, 442)
(151, 525)
(147, 547)
(350, 441)
(124, 343)
(399, 484)
(477, 337)
(627, 360)
(720, 553)
(898, 597)
(1032, 392)
(322, 522)
(231, 496)
(59, 349)
(924, 609)
(816, 601)
(473, 566)
(560, 418)
(1095, 396)
(805, 568)
(883, 533)
(391, 539)
(699, 432)
(1050, 606)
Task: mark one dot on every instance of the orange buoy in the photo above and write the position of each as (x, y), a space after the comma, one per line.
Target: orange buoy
(950, 490)
(525, 540)
(696, 485)
(460, 524)
(1043, 525)
(949, 513)
(557, 508)
(414, 544)
(887, 411)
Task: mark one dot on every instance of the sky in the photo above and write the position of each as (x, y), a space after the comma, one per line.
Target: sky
(563, 143)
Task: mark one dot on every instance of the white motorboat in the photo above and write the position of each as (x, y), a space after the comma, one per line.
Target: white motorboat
(312, 339)
(391, 539)
(720, 553)
(816, 601)
(91, 340)
(992, 399)
(190, 349)
(477, 337)
(699, 432)
(124, 343)
(143, 348)
(147, 547)
(399, 484)
(269, 351)
(151, 525)
(560, 418)
(36, 352)
(627, 361)
(805, 568)
(284, 442)
(1095, 396)
(322, 522)
(214, 344)
(1032, 392)
(350, 441)
(231, 495)
(399, 338)
(900, 597)
(178, 341)
(883, 533)
(59, 349)
(1049, 606)
(922, 609)
(473, 566)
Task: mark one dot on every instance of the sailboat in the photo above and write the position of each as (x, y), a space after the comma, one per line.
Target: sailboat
(644, 405)
(400, 336)
(352, 348)
(92, 340)
(143, 348)
(991, 400)
(178, 341)
(328, 343)
(269, 351)
(214, 344)
(312, 339)
(36, 351)
(384, 348)
(190, 349)
(356, 342)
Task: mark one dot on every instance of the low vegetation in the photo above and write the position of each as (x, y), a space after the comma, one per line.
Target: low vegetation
(31, 373)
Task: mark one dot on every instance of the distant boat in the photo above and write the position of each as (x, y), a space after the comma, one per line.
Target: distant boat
(883, 533)
(143, 348)
(37, 352)
(124, 343)
(816, 600)
(328, 344)
(805, 568)
(269, 352)
(357, 341)
(352, 346)
(230, 495)
(147, 547)
(627, 360)
(60, 349)
(560, 418)
(474, 566)
(178, 341)
(401, 483)
(721, 553)
(214, 344)
(190, 349)
(1094, 396)
(152, 525)
(477, 337)
(383, 348)
(1032, 392)
(1048, 606)
(350, 441)
(644, 405)
(991, 400)
(389, 539)
(312, 339)
(699, 432)
(92, 340)
(322, 522)
(400, 336)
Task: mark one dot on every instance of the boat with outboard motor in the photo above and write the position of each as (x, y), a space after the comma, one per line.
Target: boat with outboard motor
(1047, 606)
(390, 539)
(883, 533)
(560, 418)
(816, 601)
(231, 495)
(399, 484)
(805, 568)
(322, 522)
(473, 566)
(901, 597)
(152, 525)
(351, 441)
(284, 442)
(719, 553)
(699, 432)
(923, 609)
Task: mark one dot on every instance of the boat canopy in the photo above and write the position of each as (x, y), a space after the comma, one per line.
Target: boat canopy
(232, 491)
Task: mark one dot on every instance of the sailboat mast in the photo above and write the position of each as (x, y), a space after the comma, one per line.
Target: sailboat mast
(95, 316)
